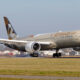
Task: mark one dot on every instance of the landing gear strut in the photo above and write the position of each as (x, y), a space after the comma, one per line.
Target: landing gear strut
(34, 55)
(57, 54)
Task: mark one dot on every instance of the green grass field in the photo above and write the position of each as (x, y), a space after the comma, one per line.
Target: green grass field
(40, 66)
(17, 79)
(23, 79)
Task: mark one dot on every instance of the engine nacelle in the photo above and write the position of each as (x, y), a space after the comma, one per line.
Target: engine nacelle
(32, 47)
(76, 48)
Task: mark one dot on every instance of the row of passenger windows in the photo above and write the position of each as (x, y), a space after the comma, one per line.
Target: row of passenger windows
(63, 37)
(68, 37)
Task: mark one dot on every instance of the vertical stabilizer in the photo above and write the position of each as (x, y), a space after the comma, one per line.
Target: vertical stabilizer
(10, 31)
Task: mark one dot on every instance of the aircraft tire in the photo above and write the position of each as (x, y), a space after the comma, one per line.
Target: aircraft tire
(56, 55)
(34, 55)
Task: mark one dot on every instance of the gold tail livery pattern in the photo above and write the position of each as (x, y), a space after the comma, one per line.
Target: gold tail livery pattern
(10, 31)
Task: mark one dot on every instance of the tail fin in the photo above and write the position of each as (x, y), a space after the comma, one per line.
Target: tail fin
(10, 31)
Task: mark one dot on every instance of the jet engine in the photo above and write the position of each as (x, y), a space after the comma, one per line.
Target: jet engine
(32, 47)
(76, 48)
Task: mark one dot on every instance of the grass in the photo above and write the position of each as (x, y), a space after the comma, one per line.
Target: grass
(40, 66)
(24, 79)
(17, 79)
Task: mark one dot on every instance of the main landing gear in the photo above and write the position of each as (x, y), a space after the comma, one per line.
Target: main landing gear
(34, 55)
(56, 55)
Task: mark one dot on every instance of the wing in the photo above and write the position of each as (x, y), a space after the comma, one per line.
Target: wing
(28, 45)
(7, 41)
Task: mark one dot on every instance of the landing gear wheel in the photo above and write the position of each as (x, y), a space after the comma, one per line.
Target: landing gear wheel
(57, 55)
(34, 55)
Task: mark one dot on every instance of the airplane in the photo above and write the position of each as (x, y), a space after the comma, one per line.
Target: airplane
(40, 42)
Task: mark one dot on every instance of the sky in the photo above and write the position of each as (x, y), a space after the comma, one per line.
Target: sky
(40, 16)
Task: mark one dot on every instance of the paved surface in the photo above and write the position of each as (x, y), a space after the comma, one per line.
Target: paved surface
(40, 77)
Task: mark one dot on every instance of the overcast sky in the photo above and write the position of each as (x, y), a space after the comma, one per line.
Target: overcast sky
(40, 16)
